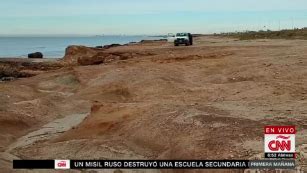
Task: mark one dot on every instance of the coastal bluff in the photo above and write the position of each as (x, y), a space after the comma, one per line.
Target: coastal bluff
(82, 55)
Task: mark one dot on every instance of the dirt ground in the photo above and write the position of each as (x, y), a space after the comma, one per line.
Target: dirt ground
(206, 101)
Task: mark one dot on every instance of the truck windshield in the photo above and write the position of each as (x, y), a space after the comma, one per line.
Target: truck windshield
(181, 34)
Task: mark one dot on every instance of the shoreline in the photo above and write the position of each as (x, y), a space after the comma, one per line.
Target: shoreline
(12, 68)
(14, 59)
(55, 47)
(106, 46)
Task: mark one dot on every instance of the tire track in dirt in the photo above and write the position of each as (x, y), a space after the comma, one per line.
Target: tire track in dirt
(48, 131)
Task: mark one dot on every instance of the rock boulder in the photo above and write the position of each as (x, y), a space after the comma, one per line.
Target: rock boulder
(35, 55)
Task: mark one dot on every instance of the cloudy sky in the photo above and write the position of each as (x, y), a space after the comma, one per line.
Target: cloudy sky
(91, 17)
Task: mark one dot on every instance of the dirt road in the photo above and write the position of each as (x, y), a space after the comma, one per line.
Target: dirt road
(207, 101)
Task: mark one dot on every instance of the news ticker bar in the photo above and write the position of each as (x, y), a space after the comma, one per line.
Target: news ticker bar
(154, 164)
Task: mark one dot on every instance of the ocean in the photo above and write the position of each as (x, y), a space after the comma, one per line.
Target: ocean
(54, 47)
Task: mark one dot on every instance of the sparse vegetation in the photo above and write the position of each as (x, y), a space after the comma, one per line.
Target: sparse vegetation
(283, 34)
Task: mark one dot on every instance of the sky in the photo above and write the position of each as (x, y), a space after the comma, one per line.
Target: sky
(137, 17)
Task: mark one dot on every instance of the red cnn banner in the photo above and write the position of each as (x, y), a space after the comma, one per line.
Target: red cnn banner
(279, 130)
(279, 139)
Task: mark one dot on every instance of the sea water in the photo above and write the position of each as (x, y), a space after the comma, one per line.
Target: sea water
(54, 47)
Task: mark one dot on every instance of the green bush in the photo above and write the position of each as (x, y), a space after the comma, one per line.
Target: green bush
(283, 34)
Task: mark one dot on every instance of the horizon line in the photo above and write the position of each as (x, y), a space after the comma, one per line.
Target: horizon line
(144, 35)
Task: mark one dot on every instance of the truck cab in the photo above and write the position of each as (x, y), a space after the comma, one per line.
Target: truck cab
(183, 38)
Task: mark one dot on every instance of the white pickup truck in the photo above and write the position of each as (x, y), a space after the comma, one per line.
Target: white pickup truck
(183, 38)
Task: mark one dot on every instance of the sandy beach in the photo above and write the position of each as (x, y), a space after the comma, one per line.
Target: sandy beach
(155, 101)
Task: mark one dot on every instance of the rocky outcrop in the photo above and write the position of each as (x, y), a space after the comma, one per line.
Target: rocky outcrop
(108, 46)
(103, 57)
(153, 41)
(9, 72)
(98, 58)
(21, 68)
(35, 55)
(111, 45)
(74, 53)
(81, 55)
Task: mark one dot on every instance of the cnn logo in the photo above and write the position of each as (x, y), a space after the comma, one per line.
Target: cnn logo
(280, 145)
(280, 139)
(62, 164)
